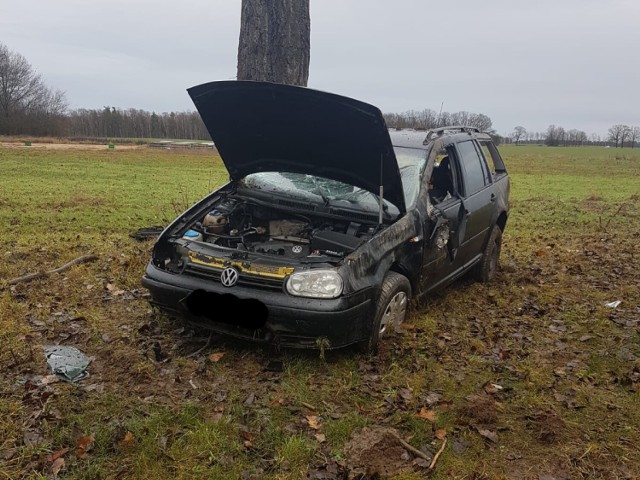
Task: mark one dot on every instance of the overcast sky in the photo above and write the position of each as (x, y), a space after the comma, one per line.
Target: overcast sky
(574, 63)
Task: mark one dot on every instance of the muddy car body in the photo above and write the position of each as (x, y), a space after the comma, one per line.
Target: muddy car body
(330, 223)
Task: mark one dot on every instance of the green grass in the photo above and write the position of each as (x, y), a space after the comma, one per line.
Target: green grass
(568, 364)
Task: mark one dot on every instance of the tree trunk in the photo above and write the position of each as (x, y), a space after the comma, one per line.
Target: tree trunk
(275, 41)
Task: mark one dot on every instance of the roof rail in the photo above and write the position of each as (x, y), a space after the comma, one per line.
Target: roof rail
(437, 132)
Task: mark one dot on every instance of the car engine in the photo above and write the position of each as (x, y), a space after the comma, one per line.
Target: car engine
(246, 226)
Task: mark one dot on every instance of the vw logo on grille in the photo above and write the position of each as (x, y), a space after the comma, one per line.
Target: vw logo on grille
(229, 277)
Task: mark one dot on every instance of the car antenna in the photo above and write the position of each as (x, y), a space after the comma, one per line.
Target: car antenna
(439, 115)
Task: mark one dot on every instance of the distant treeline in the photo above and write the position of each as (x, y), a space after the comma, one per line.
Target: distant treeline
(427, 118)
(107, 122)
(556, 136)
(111, 122)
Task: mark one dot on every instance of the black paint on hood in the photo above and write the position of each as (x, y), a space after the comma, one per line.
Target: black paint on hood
(259, 127)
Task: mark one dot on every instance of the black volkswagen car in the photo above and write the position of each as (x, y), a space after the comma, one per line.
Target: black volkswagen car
(331, 223)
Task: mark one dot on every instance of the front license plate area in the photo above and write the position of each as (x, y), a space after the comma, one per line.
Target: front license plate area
(227, 308)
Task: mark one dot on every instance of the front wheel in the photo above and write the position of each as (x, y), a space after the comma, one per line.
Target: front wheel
(491, 256)
(391, 310)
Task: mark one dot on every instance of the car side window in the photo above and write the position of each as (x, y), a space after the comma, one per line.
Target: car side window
(494, 160)
(443, 182)
(476, 172)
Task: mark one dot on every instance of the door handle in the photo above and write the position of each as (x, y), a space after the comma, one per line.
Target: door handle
(493, 197)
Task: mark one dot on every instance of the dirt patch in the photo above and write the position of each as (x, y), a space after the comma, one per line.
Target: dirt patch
(376, 453)
(546, 426)
(479, 409)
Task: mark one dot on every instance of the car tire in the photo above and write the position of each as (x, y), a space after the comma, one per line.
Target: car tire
(391, 310)
(488, 265)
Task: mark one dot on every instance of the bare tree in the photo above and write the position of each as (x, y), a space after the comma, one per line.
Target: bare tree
(616, 135)
(275, 41)
(626, 131)
(634, 135)
(518, 133)
(27, 105)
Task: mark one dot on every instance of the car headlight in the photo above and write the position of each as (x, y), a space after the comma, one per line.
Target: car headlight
(315, 284)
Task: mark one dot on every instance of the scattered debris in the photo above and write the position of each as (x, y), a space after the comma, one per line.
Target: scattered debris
(614, 304)
(435, 459)
(147, 233)
(66, 266)
(68, 363)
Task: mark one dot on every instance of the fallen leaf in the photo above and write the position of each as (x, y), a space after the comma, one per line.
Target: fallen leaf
(406, 394)
(407, 326)
(53, 457)
(320, 437)
(128, 440)
(215, 357)
(57, 465)
(8, 454)
(32, 437)
(427, 414)
(488, 434)
(84, 444)
(441, 434)
(313, 421)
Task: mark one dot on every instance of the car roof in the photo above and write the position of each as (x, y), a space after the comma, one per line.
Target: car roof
(410, 138)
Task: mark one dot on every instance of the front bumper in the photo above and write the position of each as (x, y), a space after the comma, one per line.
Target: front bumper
(291, 321)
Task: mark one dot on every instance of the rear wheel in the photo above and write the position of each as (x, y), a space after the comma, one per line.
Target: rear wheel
(488, 266)
(390, 311)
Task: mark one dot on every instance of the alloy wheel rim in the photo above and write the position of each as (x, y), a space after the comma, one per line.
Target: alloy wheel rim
(395, 312)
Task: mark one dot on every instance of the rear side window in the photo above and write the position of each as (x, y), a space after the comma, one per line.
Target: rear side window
(476, 174)
(491, 154)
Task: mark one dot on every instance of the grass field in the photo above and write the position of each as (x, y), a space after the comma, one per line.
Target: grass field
(529, 376)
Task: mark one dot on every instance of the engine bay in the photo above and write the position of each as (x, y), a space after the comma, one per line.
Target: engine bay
(243, 225)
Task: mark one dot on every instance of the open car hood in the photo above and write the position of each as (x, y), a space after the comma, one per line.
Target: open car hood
(260, 127)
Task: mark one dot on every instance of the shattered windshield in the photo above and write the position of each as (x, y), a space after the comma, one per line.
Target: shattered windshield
(411, 162)
(332, 192)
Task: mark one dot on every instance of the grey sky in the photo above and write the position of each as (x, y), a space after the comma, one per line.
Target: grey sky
(574, 63)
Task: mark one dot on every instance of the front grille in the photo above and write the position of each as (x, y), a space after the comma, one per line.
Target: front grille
(244, 280)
